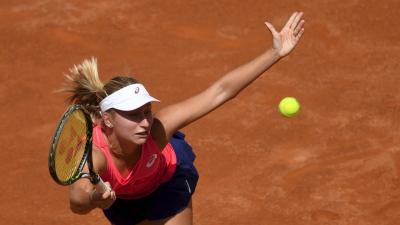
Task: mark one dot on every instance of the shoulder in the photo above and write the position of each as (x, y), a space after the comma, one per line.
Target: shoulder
(99, 160)
(158, 134)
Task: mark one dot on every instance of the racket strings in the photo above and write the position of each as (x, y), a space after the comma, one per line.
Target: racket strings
(70, 150)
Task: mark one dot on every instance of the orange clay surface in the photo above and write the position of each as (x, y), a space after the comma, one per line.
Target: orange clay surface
(337, 162)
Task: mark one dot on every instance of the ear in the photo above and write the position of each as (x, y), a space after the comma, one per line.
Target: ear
(107, 119)
(109, 124)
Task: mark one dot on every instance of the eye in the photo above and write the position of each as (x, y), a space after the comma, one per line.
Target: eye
(147, 112)
(133, 114)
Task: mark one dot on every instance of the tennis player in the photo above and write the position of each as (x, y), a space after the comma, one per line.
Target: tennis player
(140, 154)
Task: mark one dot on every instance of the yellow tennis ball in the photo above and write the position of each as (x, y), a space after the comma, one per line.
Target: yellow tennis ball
(289, 107)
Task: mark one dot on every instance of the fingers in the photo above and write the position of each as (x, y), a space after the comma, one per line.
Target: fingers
(110, 194)
(103, 200)
(299, 35)
(102, 195)
(113, 195)
(296, 20)
(106, 195)
(290, 21)
(108, 199)
(295, 24)
(299, 28)
(108, 185)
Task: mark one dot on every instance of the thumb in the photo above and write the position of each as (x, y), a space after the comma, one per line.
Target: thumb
(272, 29)
(108, 185)
(108, 191)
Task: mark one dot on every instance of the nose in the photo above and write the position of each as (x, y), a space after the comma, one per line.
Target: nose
(145, 122)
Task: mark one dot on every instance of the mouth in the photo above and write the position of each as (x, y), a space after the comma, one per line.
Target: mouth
(143, 134)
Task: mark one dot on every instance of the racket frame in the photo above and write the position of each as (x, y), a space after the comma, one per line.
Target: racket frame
(87, 155)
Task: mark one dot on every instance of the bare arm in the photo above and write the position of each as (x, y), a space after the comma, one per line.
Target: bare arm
(179, 115)
(79, 196)
(83, 195)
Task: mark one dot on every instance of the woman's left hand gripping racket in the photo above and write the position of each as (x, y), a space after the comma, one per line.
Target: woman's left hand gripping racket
(71, 148)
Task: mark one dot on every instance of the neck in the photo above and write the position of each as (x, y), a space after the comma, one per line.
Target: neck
(123, 150)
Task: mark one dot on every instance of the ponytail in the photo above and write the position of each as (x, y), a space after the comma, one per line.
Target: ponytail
(85, 87)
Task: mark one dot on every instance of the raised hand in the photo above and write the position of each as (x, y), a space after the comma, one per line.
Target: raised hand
(285, 40)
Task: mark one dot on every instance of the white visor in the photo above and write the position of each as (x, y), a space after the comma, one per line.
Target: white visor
(127, 98)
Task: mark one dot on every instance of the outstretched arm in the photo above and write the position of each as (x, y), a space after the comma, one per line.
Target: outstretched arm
(179, 115)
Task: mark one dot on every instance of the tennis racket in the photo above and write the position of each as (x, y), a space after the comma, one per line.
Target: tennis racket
(71, 148)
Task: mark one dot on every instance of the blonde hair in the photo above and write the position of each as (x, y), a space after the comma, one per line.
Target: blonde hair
(86, 88)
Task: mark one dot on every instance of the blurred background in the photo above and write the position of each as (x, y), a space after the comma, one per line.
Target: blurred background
(337, 162)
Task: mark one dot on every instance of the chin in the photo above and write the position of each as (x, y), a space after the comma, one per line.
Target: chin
(140, 141)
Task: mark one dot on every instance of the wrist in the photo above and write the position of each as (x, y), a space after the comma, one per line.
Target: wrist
(274, 53)
(92, 203)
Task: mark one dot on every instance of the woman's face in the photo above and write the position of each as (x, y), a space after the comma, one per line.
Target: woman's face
(133, 126)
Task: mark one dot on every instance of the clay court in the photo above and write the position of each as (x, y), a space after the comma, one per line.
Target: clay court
(337, 162)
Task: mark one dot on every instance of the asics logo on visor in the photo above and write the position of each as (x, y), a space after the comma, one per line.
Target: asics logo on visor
(137, 90)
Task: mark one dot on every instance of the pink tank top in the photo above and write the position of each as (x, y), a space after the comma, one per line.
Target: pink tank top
(152, 169)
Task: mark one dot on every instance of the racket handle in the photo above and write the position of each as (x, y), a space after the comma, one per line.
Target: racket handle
(101, 187)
